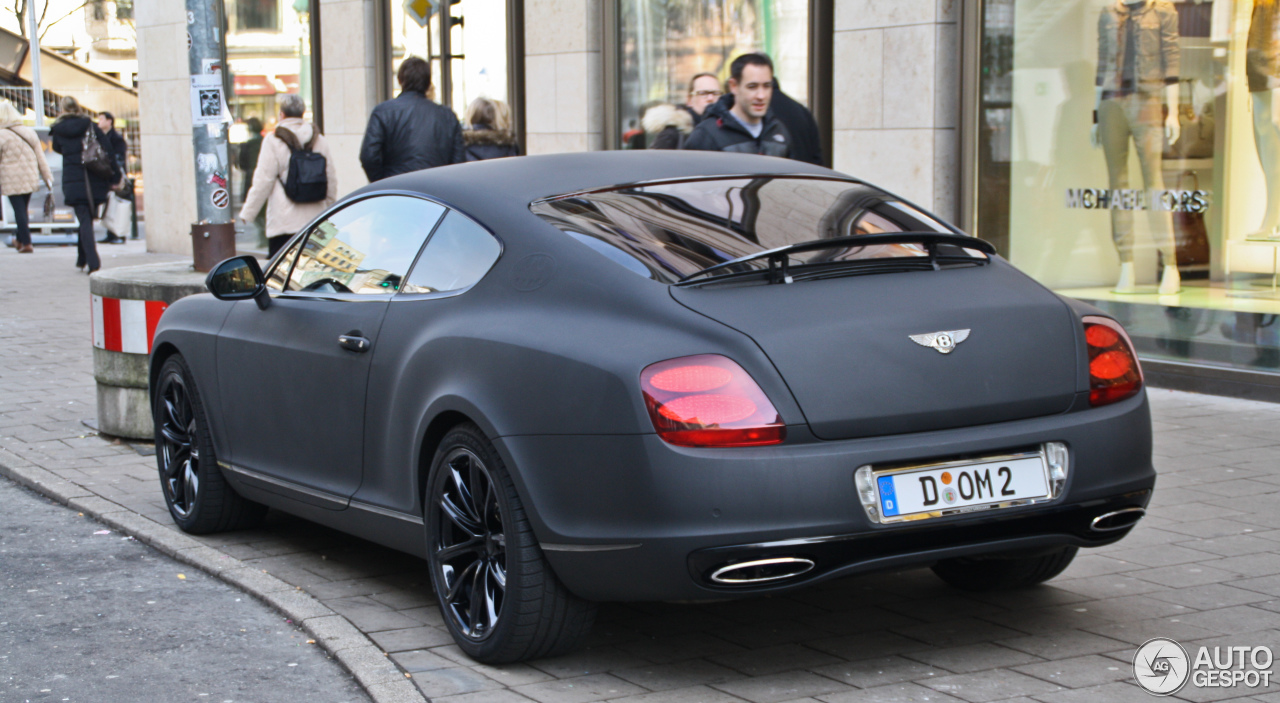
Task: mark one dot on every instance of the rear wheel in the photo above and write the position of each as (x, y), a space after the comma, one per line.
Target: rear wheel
(199, 499)
(499, 597)
(993, 574)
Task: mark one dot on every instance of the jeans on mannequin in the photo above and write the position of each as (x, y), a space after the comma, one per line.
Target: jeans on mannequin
(1139, 117)
(1267, 138)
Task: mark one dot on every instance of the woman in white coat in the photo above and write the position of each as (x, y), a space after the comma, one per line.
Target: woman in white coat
(22, 168)
(284, 216)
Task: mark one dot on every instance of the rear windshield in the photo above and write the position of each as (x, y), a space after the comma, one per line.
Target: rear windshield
(666, 231)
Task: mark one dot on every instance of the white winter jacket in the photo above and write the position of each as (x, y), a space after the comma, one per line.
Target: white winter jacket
(283, 215)
(22, 163)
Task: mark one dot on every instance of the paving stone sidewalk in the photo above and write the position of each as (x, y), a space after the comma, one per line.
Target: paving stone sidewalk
(1203, 568)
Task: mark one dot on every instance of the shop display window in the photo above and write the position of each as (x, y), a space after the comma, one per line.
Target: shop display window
(664, 43)
(1128, 154)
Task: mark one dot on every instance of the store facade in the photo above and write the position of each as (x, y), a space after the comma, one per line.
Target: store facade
(1128, 153)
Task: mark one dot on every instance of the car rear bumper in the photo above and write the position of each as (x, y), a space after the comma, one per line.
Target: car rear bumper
(629, 517)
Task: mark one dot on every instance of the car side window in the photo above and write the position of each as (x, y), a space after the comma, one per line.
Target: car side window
(364, 248)
(279, 275)
(458, 255)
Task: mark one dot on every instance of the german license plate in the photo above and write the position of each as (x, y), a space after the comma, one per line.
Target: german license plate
(955, 486)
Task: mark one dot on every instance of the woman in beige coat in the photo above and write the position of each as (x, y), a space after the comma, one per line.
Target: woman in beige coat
(285, 217)
(22, 168)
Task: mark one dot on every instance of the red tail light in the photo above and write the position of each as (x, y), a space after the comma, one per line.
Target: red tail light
(709, 401)
(1114, 372)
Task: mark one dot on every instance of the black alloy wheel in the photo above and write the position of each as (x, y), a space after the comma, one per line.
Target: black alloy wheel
(199, 499)
(500, 599)
(471, 553)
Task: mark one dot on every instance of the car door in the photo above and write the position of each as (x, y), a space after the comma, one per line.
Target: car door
(424, 316)
(293, 377)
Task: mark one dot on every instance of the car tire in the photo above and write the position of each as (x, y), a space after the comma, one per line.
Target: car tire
(199, 498)
(1003, 574)
(498, 595)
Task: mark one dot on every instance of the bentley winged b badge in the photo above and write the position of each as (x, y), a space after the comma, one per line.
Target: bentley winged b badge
(943, 342)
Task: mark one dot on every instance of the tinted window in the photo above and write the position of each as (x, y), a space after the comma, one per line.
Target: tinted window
(366, 247)
(458, 255)
(670, 230)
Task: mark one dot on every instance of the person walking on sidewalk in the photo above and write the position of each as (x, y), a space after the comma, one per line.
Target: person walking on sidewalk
(82, 190)
(22, 168)
(119, 150)
(806, 143)
(410, 132)
(741, 121)
(284, 216)
(488, 134)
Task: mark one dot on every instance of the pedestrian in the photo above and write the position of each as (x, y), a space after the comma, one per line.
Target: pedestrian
(741, 121)
(119, 151)
(704, 91)
(410, 132)
(247, 157)
(284, 216)
(667, 126)
(82, 189)
(806, 144)
(488, 134)
(22, 168)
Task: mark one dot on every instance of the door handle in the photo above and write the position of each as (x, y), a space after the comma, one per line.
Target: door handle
(354, 342)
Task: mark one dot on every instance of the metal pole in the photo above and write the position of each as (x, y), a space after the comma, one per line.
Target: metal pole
(33, 53)
(213, 233)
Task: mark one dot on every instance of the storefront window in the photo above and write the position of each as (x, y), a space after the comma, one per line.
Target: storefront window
(1128, 154)
(477, 46)
(664, 43)
(268, 55)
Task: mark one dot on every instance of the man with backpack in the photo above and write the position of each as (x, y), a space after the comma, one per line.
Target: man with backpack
(295, 176)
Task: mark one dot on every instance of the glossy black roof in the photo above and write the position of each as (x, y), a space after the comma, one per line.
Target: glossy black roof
(505, 187)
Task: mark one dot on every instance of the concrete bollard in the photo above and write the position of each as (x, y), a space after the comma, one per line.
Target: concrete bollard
(127, 303)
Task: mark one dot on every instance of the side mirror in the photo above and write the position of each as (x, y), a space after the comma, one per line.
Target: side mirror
(239, 278)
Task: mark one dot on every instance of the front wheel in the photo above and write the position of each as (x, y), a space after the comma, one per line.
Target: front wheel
(995, 574)
(199, 498)
(499, 597)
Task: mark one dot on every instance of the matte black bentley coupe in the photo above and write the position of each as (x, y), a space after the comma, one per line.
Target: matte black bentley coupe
(650, 376)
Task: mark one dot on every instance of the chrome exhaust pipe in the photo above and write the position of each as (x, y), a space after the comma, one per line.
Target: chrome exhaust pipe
(1117, 519)
(762, 571)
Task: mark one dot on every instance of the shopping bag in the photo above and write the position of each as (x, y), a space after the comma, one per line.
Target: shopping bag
(118, 218)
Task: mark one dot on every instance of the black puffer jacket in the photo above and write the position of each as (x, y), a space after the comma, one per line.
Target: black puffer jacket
(482, 143)
(410, 133)
(721, 131)
(67, 134)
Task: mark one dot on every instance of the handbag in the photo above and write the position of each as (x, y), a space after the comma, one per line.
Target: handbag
(48, 207)
(118, 218)
(95, 159)
(1190, 235)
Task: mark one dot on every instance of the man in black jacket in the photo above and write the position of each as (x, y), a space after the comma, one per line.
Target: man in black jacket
(410, 132)
(119, 151)
(806, 145)
(741, 120)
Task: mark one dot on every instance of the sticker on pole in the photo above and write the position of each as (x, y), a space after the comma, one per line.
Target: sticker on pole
(221, 198)
(419, 11)
(208, 106)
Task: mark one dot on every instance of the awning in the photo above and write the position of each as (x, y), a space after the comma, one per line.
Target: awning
(266, 85)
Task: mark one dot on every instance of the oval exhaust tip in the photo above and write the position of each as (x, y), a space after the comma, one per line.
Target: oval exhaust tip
(762, 571)
(1117, 519)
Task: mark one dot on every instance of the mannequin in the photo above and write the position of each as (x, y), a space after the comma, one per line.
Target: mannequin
(1263, 70)
(1139, 65)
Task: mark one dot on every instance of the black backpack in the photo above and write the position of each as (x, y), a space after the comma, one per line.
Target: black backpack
(307, 181)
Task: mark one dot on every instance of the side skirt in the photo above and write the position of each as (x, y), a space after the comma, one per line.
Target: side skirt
(389, 528)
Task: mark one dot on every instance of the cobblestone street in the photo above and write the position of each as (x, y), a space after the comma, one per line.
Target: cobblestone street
(1202, 568)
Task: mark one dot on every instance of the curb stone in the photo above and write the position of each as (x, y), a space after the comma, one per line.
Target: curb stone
(381, 679)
